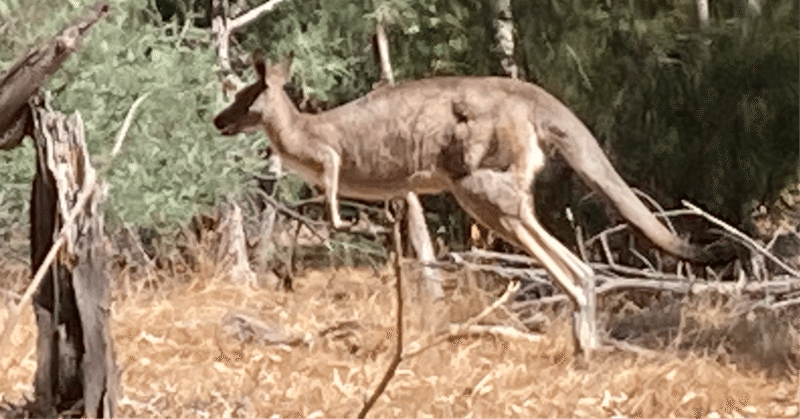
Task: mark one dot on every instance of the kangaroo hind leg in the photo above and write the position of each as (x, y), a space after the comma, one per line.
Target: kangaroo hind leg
(501, 202)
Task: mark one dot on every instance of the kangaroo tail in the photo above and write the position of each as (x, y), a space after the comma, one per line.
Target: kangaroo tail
(583, 153)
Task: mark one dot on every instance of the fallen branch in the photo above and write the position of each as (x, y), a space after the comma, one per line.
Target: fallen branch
(619, 227)
(785, 303)
(610, 283)
(743, 237)
(553, 299)
(658, 207)
(616, 284)
(538, 275)
(607, 249)
(506, 257)
(504, 331)
(320, 199)
(311, 224)
(641, 257)
(626, 270)
(628, 347)
(363, 229)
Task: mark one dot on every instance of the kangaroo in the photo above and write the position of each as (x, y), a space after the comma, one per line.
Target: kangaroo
(483, 139)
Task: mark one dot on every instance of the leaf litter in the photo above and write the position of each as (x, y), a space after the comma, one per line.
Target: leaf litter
(320, 350)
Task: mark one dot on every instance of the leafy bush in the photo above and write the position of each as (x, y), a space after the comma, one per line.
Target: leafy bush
(173, 162)
(706, 115)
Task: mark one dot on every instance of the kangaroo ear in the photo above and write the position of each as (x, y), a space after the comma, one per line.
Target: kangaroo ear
(258, 63)
(286, 64)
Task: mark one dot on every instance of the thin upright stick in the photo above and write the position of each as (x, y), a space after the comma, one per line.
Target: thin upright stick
(398, 353)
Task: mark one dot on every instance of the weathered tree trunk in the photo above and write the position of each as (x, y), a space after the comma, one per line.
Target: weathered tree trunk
(754, 7)
(233, 247)
(75, 363)
(383, 53)
(57, 281)
(72, 304)
(702, 13)
(504, 36)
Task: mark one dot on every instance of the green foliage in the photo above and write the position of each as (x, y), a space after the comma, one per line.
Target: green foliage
(16, 172)
(442, 38)
(709, 116)
(22, 25)
(331, 42)
(713, 116)
(173, 162)
(706, 115)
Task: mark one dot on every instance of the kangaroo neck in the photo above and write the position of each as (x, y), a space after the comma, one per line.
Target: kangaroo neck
(285, 126)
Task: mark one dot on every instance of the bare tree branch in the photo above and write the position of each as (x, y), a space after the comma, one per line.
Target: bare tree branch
(251, 15)
(741, 236)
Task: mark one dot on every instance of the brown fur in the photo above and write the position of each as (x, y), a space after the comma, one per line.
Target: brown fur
(481, 138)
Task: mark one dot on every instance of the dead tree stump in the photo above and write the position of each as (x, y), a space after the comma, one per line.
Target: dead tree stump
(76, 373)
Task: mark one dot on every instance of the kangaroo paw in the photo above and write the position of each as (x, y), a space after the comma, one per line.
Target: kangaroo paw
(340, 225)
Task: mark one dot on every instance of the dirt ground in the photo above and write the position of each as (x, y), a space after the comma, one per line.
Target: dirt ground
(206, 348)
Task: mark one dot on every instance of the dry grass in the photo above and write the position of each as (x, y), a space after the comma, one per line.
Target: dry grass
(179, 358)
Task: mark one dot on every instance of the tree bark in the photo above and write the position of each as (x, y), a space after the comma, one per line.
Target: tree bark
(702, 13)
(754, 7)
(72, 304)
(383, 52)
(504, 36)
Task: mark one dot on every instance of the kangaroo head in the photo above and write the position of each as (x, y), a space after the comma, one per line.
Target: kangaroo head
(255, 103)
